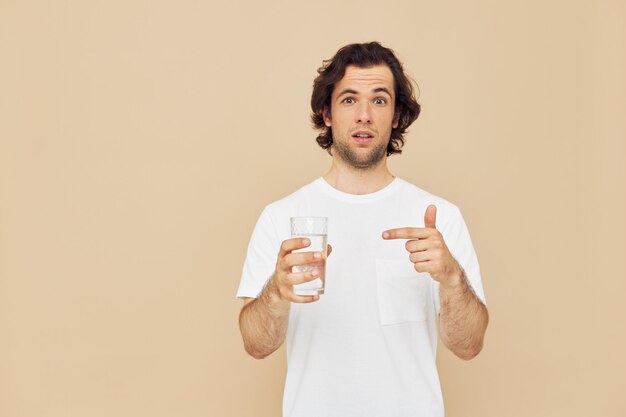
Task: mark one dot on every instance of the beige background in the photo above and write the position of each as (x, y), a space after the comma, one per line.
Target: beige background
(139, 141)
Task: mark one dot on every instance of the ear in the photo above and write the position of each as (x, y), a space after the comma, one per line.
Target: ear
(396, 119)
(327, 116)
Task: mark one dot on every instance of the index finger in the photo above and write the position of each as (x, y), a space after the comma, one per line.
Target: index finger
(407, 233)
(292, 244)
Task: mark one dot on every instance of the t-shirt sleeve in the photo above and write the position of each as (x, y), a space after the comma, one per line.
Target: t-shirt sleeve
(261, 257)
(457, 238)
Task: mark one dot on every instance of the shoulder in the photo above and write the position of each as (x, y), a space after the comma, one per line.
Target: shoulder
(287, 203)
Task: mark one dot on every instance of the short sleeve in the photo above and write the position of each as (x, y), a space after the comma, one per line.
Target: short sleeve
(457, 238)
(260, 258)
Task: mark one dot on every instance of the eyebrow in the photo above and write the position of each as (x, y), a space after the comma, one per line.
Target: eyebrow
(383, 89)
(376, 90)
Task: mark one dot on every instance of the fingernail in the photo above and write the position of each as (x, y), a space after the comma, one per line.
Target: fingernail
(385, 235)
(306, 241)
(315, 273)
(317, 255)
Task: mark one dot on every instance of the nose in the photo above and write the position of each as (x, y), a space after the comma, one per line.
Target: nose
(363, 113)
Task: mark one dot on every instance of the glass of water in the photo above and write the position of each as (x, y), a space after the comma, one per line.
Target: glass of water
(316, 230)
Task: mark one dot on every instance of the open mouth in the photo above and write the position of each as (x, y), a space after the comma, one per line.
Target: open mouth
(363, 137)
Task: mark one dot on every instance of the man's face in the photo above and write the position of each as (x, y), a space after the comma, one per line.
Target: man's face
(362, 115)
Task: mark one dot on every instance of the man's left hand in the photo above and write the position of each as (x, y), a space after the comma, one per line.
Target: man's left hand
(428, 251)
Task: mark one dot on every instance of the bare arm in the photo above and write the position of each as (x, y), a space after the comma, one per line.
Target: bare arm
(463, 318)
(263, 320)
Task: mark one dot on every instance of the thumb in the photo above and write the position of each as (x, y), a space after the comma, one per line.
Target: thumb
(430, 217)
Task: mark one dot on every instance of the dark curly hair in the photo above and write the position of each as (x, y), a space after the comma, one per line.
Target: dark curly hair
(363, 55)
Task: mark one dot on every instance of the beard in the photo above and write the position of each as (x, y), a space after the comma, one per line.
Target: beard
(357, 161)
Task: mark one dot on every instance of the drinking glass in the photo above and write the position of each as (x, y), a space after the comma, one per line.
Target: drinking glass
(316, 230)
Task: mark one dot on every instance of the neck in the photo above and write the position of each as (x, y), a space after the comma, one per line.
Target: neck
(358, 181)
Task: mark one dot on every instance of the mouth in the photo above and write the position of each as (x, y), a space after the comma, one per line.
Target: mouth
(363, 136)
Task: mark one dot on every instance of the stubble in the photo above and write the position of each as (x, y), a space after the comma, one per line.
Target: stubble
(357, 161)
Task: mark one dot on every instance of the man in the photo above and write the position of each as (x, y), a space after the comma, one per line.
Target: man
(402, 265)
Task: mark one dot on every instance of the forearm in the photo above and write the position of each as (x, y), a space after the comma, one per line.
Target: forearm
(263, 322)
(463, 319)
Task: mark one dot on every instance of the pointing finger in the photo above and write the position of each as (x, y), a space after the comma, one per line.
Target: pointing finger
(407, 233)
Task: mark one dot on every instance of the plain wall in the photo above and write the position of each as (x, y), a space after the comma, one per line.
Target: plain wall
(140, 140)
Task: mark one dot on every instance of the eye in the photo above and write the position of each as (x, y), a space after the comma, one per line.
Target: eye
(380, 100)
(348, 100)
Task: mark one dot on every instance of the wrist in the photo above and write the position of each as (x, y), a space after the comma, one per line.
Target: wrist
(273, 295)
(455, 281)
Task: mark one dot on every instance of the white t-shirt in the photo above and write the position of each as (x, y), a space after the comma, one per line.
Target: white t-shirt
(368, 346)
